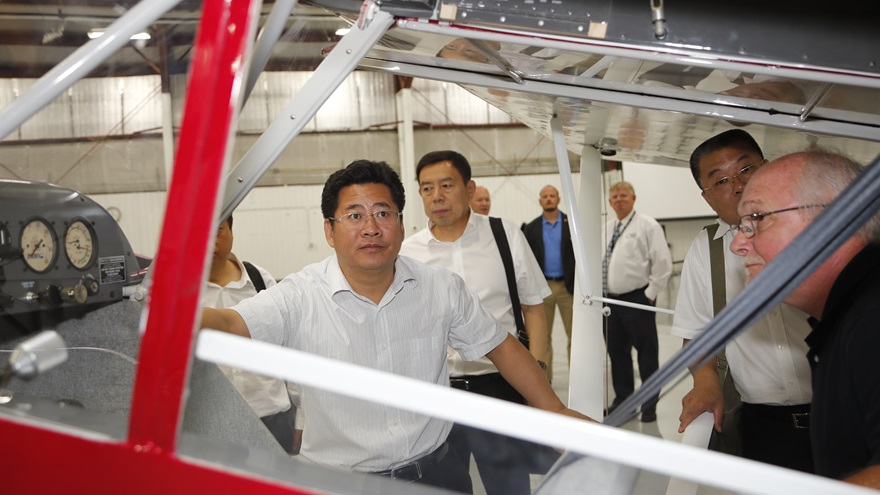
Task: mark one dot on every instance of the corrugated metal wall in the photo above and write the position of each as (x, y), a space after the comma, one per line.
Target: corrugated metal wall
(103, 137)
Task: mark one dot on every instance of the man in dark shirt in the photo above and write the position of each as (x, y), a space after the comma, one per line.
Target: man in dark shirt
(842, 298)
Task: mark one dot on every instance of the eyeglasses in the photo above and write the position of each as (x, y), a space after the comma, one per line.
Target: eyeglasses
(748, 224)
(744, 174)
(357, 219)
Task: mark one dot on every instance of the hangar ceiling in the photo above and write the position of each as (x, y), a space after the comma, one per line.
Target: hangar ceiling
(37, 34)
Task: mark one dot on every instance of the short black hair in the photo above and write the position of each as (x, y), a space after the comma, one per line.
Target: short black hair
(457, 159)
(733, 137)
(361, 172)
(229, 221)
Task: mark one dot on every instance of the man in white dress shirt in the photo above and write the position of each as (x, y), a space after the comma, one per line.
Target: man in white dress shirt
(768, 362)
(368, 306)
(636, 266)
(229, 284)
(462, 241)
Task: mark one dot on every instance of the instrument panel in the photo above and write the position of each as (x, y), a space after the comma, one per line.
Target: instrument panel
(61, 253)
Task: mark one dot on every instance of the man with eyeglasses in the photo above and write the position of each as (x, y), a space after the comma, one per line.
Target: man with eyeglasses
(767, 362)
(368, 306)
(462, 242)
(636, 267)
(842, 297)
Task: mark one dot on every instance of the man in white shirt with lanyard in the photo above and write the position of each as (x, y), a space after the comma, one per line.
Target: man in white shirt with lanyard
(462, 241)
(368, 306)
(636, 267)
(768, 362)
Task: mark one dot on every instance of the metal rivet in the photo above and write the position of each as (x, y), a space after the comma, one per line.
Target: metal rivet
(292, 117)
(240, 179)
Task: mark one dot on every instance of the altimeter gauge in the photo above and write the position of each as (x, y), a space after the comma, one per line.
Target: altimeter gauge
(80, 244)
(38, 246)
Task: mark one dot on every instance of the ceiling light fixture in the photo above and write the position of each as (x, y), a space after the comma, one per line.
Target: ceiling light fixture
(97, 33)
(342, 31)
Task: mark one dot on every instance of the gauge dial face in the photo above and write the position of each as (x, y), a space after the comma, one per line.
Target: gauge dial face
(79, 244)
(38, 246)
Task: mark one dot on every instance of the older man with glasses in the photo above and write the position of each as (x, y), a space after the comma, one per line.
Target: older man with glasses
(768, 370)
(842, 297)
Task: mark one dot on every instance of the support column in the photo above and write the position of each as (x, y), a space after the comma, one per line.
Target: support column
(167, 109)
(587, 369)
(414, 219)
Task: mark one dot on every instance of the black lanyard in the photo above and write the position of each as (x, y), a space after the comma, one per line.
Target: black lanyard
(621, 230)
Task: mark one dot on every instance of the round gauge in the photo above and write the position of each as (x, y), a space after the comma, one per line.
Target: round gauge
(38, 246)
(79, 244)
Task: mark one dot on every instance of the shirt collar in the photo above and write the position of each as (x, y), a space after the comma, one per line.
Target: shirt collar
(338, 283)
(548, 222)
(626, 218)
(723, 229)
(335, 279)
(243, 281)
(470, 227)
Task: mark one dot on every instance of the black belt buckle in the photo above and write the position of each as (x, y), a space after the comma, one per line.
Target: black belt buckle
(410, 472)
(460, 383)
(801, 421)
(415, 470)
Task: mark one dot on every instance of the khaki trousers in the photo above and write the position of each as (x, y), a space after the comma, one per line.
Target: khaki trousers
(561, 298)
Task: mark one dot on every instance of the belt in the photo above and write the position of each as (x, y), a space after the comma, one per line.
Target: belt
(640, 290)
(797, 416)
(470, 382)
(555, 279)
(417, 469)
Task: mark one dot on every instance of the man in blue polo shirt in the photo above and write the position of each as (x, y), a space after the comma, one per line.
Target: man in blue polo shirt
(550, 240)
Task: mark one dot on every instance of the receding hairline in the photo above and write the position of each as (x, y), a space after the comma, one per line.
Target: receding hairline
(622, 185)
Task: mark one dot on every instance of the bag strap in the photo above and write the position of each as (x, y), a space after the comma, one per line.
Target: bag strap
(507, 260)
(719, 292)
(716, 265)
(255, 276)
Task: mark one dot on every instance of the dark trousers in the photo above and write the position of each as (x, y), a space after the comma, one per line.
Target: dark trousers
(773, 435)
(501, 460)
(281, 427)
(628, 328)
(452, 473)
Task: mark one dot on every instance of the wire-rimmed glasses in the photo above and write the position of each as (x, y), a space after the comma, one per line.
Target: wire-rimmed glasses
(358, 219)
(748, 224)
